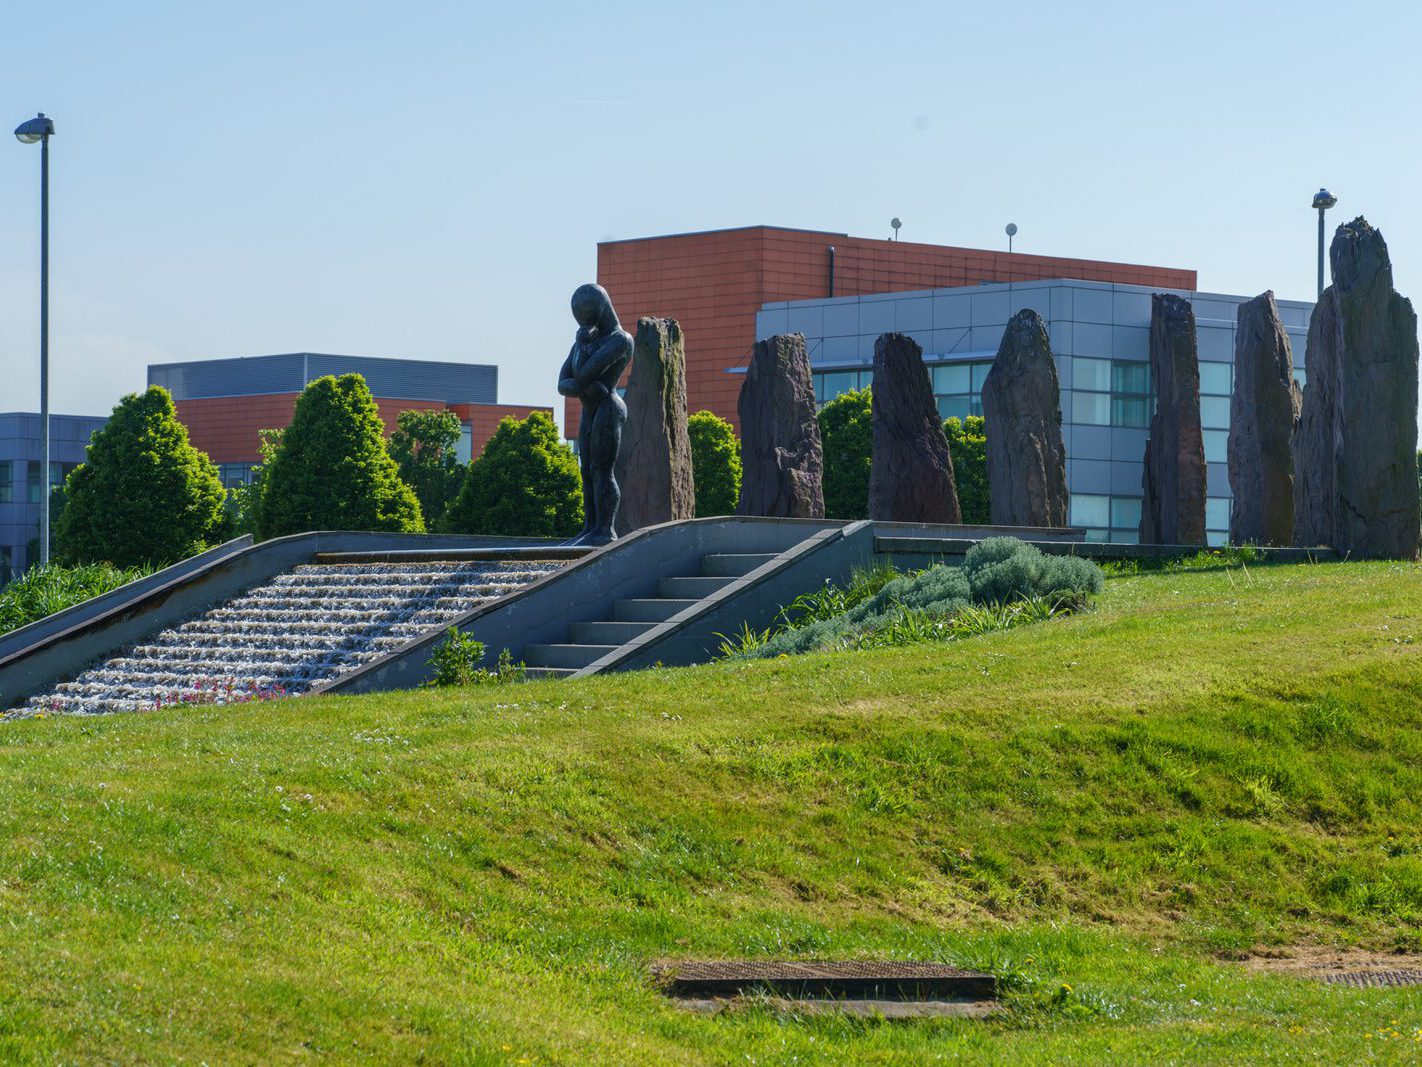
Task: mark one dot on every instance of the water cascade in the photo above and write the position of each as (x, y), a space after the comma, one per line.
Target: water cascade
(300, 629)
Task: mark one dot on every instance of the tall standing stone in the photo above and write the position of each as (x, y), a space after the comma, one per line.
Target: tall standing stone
(1022, 406)
(911, 477)
(1355, 473)
(1263, 410)
(782, 462)
(1173, 511)
(654, 465)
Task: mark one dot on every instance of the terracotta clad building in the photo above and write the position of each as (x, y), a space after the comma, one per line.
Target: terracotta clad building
(225, 402)
(715, 282)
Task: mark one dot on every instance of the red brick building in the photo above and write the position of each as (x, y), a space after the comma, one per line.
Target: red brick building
(713, 283)
(226, 402)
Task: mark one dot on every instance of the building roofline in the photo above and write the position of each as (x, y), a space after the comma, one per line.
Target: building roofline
(52, 415)
(724, 229)
(891, 241)
(324, 355)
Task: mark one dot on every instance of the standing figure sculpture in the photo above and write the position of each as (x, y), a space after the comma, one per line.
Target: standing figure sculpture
(591, 372)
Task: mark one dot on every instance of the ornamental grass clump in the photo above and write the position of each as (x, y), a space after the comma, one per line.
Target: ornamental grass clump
(44, 590)
(1002, 584)
(1004, 569)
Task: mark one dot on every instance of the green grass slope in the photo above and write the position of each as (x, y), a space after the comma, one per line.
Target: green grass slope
(1103, 809)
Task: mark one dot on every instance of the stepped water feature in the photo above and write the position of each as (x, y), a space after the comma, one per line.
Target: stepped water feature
(300, 629)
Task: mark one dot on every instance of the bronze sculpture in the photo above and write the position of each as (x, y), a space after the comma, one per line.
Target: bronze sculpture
(599, 355)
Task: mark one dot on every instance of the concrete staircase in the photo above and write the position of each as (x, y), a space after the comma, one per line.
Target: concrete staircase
(588, 642)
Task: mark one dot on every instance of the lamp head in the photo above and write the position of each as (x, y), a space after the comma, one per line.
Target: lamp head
(1323, 199)
(36, 129)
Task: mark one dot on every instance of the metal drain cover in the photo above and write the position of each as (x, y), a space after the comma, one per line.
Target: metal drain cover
(852, 980)
(1372, 979)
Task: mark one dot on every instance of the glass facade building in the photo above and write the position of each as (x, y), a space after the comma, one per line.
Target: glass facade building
(1100, 339)
(21, 483)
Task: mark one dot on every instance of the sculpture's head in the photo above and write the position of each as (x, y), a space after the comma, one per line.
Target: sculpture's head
(593, 307)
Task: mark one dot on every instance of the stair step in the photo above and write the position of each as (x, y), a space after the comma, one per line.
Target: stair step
(549, 672)
(658, 609)
(608, 633)
(694, 588)
(574, 656)
(733, 564)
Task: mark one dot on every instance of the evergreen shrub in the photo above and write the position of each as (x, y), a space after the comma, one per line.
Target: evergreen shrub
(144, 496)
(715, 464)
(331, 470)
(526, 484)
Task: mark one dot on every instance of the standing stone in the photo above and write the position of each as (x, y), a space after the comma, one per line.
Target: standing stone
(782, 463)
(1022, 406)
(1263, 410)
(1355, 473)
(654, 466)
(1173, 511)
(911, 478)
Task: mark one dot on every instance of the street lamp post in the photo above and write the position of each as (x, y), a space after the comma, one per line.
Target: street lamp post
(41, 129)
(1323, 200)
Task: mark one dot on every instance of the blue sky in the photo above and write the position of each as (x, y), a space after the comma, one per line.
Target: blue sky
(430, 180)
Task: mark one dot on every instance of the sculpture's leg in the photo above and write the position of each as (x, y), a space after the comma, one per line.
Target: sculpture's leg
(585, 437)
(606, 440)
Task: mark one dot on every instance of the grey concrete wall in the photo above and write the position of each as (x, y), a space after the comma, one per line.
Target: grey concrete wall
(755, 599)
(126, 620)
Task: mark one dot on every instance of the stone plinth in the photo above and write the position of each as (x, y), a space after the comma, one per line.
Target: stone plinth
(1263, 411)
(911, 479)
(1022, 410)
(1355, 473)
(654, 465)
(1173, 511)
(782, 463)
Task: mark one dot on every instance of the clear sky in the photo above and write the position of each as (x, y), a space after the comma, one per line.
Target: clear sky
(430, 180)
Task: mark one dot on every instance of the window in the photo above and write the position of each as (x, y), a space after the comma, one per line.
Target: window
(1125, 513)
(1217, 513)
(958, 388)
(234, 475)
(1107, 392)
(1216, 446)
(1107, 518)
(57, 473)
(830, 384)
(1214, 412)
(1216, 379)
(464, 451)
(1090, 510)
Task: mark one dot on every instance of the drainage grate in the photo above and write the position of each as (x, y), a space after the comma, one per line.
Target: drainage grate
(1370, 979)
(847, 980)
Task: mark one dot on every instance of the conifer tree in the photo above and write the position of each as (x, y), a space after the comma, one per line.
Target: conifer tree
(144, 494)
(526, 484)
(331, 470)
(715, 464)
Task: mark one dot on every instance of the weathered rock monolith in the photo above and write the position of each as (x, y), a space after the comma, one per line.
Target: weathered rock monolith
(1263, 411)
(1355, 473)
(911, 478)
(1173, 511)
(654, 466)
(782, 463)
(1022, 407)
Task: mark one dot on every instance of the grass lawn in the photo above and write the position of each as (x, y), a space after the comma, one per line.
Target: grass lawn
(1106, 810)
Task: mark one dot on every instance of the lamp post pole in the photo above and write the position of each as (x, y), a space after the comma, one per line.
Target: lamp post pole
(1323, 200)
(40, 129)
